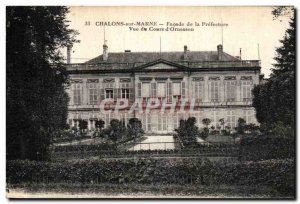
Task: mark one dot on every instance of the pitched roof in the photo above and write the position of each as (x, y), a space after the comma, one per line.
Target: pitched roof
(132, 57)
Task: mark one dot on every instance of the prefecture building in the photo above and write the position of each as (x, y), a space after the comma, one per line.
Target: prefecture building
(215, 83)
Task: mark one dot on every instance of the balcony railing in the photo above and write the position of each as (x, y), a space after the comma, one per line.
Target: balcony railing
(200, 64)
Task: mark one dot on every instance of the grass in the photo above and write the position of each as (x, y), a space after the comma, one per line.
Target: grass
(104, 190)
(219, 138)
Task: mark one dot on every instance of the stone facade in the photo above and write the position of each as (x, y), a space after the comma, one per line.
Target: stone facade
(215, 84)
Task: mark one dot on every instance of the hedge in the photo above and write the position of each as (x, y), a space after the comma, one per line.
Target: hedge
(266, 147)
(278, 174)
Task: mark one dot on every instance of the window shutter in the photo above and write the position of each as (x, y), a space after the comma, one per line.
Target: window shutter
(71, 94)
(153, 89)
(183, 89)
(131, 94)
(102, 96)
(139, 94)
(169, 91)
(115, 93)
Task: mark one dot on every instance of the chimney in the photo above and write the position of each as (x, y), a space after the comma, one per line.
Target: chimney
(69, 49)
(185, 53)
(105, 51)
(220, 52)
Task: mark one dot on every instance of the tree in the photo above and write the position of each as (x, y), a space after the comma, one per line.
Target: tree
(241, 126)
(188, 131)
(36, 78)
(99, 124)
(83, 125)
(274, 100)
(134, 128)
(116, 130)
(222, 122)
(206, 122)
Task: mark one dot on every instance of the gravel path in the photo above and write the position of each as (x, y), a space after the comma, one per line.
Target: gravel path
(158, 142)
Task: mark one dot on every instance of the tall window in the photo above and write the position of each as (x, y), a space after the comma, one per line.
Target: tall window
(162, 122)
(198, 91)
(169, 92)
(125, 93)
(77, 90)
(214, 91)
(176, 89)
(109, 93)
(93, 93)
(248, 116)
(125, 90)
(231, 119)
(246, 90)
(161, 90)
(215, 118)
(146, 90)
(230, 90)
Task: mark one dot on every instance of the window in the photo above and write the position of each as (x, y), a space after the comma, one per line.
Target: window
(198, 91)
(230, 90)
(214, 91)
(215, 118)
(248, 116)
(161, 90)
(231, 119)
(93, 93)
(125, 93)
(162, 122)
(77, 94)
(176, 89)
(107, 119)
(146, 90)
(246, 90)
(109, 93)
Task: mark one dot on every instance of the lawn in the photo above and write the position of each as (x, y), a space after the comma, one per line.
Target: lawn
(153, 191)
(219, 138)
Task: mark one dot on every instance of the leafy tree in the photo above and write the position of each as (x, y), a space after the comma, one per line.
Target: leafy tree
(83, 125)
(274, 100)
(204, 133)
(36, 78)
(134, 128)
(206, 122)
(99, 124)
(222, 122)
(241, 126)
(116, 130)
(188, 131)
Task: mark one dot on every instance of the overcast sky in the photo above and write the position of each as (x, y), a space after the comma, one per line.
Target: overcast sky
(247, 27)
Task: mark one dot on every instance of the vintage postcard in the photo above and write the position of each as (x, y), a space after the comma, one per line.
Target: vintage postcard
(150, 102)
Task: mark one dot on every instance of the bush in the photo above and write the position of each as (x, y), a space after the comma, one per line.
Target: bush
(266, 147)
(277, 174)
(134, 128)
(188, 132)
(204, 133)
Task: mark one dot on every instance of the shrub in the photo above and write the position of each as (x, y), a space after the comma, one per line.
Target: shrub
(266, 147)
(134, 128)
(277, 174)
(188, 131)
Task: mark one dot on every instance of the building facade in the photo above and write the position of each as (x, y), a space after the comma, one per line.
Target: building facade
(166, 86)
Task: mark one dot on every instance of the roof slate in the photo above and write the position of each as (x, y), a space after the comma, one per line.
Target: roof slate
(133, 57)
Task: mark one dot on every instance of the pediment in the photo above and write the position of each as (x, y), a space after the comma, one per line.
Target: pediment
(162, 65)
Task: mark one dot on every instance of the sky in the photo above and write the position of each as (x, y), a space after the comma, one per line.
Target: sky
(247, 28)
